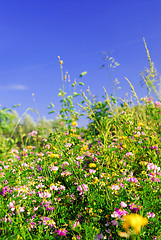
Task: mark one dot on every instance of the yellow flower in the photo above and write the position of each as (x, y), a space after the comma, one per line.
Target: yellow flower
(136, 136)
(91, 151)
(99, 210)
(54, 155)
(29, 147)
(19, 237)
(135, 221)
(92, 165)
(74, 238)
(124, 234)
(84, 148)
(95, 180)
(140, 124)
(123, 137)
(60, 62)
(74, 123)
(107, 216)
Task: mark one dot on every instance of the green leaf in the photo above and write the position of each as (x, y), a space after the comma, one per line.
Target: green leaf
(82, 74)
(52, 105)
(75, 94)
(80, 83)
(51, 112)
(18, 105)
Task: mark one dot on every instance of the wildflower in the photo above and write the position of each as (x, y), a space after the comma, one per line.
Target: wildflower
(154, 167)
(33, 133)
(132, 179)
(68, 145)
(92, 171)
(20, 209)
(60, 62)
(82, 190)
(95, 180)
(40, 185)
(150, 215)
(65, 163)
(135, 221)
(52, 186)
(158, 104)
(123, 204)
(115, 187)
(45, 194)
(74, 123)
(51, 223)
(14, 151)
(119, 213)
(92, 165)
(54, 155)
(61, 232)
(140, 124)
(45, 219)
(98, 236)
(61, 187)
(129, 154)
(114, 223)
(54, 168)
(76, 224)
(134, 208)
(11, 206)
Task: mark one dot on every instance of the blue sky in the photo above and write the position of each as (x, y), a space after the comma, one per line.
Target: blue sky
(35, 32)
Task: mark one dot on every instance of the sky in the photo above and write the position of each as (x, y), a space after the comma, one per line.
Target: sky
(35, 32)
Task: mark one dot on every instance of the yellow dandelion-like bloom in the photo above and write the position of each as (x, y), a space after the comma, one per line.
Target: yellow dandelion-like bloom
(123, 137)
(140, 124)
(60, 62)
(74, 123)
(136, 136)
(95, 180)
(92, 165)
(135, 221)
(29, 147)
(54, 155)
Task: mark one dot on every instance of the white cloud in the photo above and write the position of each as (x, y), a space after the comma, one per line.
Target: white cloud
(14, 87)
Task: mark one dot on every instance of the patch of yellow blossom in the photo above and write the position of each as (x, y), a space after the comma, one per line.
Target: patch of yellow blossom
(140, 124)
(92, 165)
(135, 221)
(74, 123)
(54, 155)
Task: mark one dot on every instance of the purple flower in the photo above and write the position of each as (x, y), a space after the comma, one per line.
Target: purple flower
(82, 190)
(150, 215)
(61, 232)
(134, 208)
(158, 104)
(123, 204)
(33, 133)
(98, 236)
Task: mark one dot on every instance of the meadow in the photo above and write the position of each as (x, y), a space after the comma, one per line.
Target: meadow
(99, 182)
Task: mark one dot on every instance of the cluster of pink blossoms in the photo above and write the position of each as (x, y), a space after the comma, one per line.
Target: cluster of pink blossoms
(33, 133)
(82, 189)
